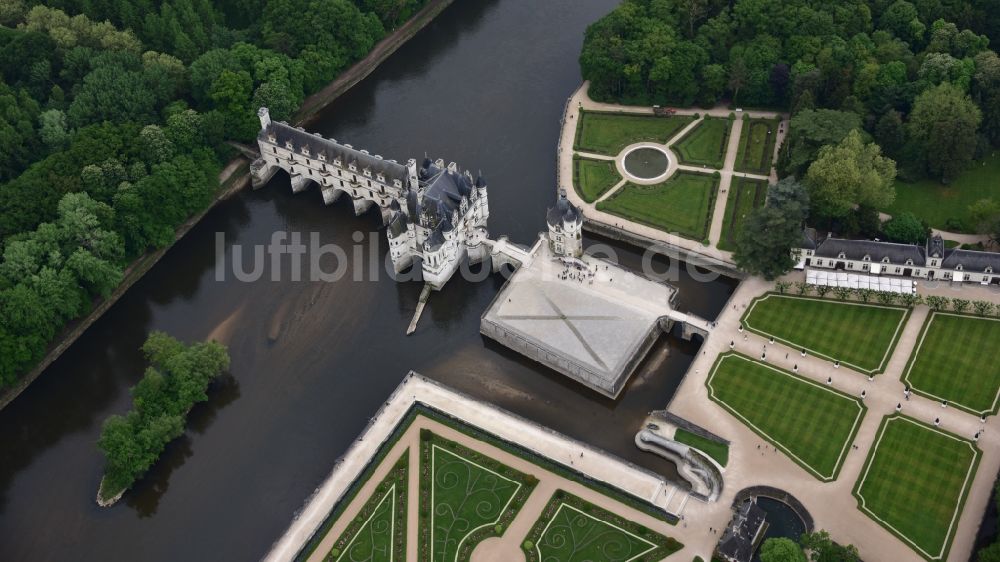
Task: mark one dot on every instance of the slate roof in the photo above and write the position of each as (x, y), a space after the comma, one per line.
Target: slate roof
(563, 211)
(971, 260)
(877, 251)
(737, 541)
(283, 132)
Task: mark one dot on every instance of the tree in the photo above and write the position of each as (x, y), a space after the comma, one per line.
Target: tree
(937, 303)
(851, 173)
(985, 215)
(906, 228)
(821, 547)
(52, 129)
(989, 554)
(943, 128)
(809, 131)
(781, 550)
(890, 134)
(986, 93)
(765, 241)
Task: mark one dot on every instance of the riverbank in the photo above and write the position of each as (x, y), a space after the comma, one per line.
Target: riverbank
(233, 178)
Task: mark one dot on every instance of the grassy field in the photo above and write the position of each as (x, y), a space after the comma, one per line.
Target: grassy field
(592, 178)
(706, 144)
(812, 423)
(860, 336)
(609, 133)
(756, 151)
(573, 530)
(744, 196)
(380, 525)
(937, 203)
(682, 205)
(714, 449)
(915, 481)
(949, 362)
(465, 497)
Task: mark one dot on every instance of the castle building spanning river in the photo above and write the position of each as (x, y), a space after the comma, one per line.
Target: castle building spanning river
(435, 214)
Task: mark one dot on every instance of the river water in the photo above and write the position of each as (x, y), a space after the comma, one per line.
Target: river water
(484, 85)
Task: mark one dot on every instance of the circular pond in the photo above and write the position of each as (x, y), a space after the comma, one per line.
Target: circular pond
(646, 162)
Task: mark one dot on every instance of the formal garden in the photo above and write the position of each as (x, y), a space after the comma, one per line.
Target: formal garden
(857, 334)
(593, 178)
(955, 361)
(571, 529)
(706, 144)
(682, 205)
(745, 195)
(378, 532)
(813, 424)
(756, 149)
(915, 482)
(609, 132)
(465, 497)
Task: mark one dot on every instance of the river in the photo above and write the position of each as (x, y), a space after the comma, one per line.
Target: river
(484, 85)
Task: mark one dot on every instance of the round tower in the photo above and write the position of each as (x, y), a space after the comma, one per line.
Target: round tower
(565, 224)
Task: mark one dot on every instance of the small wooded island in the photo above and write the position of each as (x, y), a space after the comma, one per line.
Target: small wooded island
(176, 379)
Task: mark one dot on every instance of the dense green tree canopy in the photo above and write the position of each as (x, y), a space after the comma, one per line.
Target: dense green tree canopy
(850, 174)
(943, 128)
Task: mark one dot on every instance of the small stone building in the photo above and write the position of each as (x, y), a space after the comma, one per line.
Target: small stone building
(565, 228)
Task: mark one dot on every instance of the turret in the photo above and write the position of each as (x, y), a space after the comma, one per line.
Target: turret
(265, 117)
(565, 227)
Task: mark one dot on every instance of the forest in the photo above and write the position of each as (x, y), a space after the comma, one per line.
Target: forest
(877, 90)
(114, 117)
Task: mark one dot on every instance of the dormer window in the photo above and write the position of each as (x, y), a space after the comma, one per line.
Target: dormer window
(909, 262)
(289, 146)
(989, 269)
(885, 259)
(841, 256)
(305, 150)
(380, 178)
(397, 183)
(352, 167)
(368, 173)
(867, 258)
(272, 139)
(322, 157)
(959, 267)
(338, 163)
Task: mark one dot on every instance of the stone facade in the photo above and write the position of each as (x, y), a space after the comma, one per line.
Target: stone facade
(931, 262)
(435, 214)
(565, 224)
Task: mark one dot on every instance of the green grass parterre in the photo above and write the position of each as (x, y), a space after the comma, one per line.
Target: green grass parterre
(706, 144)
(812, 423)
(681, 205)
(860, 336)
(915, 481)
(592, 178)
(378, 532)
(956, 360)
(571, 529)
(718, 451)
(745, 195)
(756, 149)
(609, 133)
(465, 497)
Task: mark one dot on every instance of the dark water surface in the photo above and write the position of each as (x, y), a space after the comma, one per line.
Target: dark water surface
(484, 86)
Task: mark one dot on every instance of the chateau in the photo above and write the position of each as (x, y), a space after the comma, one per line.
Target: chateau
(435, 214)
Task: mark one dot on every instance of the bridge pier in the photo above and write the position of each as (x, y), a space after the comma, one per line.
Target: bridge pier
(331, 194)
(361, 205)
(300, 183)
(261, 173)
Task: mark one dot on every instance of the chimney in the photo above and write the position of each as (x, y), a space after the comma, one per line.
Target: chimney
(265, 117)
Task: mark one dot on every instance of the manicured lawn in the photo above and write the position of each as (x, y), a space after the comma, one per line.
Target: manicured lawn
(706, 144)
(744, 196)
(810, 422)
(592, 178)
(860, 336)
(757, 146)
(937, 203)
(682, 205)
(573, 530)
(465, 497)
(381, 524)
(609, 133)
(956, 360)
(915, 482)
(714, 449)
